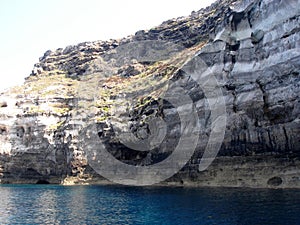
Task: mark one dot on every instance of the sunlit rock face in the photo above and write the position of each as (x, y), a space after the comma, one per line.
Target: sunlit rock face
(251, 47)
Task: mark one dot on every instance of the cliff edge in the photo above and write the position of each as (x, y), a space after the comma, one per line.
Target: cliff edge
(252, 50)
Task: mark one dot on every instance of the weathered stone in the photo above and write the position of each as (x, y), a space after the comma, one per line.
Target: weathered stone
(252, 49)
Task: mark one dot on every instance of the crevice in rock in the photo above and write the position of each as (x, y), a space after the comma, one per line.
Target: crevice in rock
(286, 138)
(249, 18)
(234, 105)
(270, 139)
(265, 98)
(237, 17)
(295, 30)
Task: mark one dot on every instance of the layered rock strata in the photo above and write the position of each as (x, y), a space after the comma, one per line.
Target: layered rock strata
(251, 47)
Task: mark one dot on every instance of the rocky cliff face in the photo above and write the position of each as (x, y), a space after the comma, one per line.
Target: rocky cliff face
(251, 47)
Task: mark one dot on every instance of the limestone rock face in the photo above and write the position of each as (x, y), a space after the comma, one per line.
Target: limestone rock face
(250, 47)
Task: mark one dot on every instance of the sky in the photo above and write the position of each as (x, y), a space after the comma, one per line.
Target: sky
(28, 28)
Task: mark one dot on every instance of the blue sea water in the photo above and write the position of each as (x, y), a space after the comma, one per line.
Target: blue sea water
(53, 204)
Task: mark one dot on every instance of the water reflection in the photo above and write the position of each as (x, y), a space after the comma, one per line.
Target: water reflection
(38, 204)
(5, 208)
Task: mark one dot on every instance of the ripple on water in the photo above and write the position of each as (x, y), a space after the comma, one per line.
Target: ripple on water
(51, 204)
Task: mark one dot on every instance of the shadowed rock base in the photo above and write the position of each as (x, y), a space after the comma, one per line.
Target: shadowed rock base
(254, 171)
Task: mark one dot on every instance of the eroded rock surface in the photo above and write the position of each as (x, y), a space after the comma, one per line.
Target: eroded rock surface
(251, 47)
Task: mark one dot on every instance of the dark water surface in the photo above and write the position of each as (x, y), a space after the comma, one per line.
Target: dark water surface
(51, 204)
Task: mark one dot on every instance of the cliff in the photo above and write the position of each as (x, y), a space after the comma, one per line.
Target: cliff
(221, 82)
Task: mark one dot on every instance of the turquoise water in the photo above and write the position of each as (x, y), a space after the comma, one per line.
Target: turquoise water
(51, 204)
